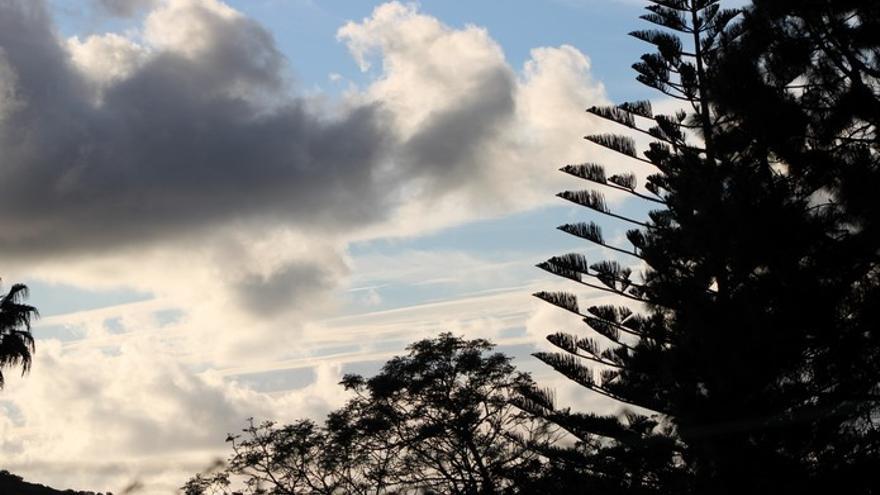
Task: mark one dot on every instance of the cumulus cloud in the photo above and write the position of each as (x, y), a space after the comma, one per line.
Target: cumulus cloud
(180, 160)
(190, 131)
(179, 143)
(462, 109)
(104, 60)
(101, 420)
(181, 151)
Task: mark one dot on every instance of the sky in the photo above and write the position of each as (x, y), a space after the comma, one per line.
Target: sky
(222, 207)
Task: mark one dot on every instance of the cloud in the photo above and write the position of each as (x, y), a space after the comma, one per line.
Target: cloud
(295, 283)
(493, 134)
(104, 60)
(180, 160)
(135, 405)
(183, 142)
(125, 8)
(189, 133)
(181, 152)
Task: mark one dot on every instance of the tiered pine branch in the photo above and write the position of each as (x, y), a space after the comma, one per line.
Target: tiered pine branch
(689, 30)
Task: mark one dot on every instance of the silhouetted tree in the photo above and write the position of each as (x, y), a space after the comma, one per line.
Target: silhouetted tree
(750, 340)
(640, 360)
(16, 341)
(812, 73)
(439, 420)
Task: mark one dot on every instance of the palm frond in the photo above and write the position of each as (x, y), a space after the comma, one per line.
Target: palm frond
(16, 341)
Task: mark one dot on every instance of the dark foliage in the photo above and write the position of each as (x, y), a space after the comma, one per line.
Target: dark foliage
(753, 363)
(16, 341)
(11, 484)
(441, 419)
(812, 69)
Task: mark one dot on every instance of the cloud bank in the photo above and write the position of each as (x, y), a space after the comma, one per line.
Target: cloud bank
(187, 137)
(180, 160)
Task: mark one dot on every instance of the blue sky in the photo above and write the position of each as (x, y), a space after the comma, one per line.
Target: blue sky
(518, 25)
(219, 212)
(306, 29)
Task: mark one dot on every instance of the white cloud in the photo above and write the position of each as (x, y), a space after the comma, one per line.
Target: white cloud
(253, 209)
(495, 135)
(106, 59)
(90, 411)
(428, 69)
(176, 161)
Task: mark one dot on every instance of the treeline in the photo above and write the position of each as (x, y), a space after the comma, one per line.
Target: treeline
(11, 484)
(745, 343)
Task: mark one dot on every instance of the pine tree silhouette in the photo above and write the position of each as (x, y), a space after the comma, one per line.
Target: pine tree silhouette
(813, 73)
(748, 348)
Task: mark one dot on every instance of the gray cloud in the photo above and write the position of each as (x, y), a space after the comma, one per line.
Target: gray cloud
(449, 143)
(178, 162)
(187, 141)
(293, 285)
(125, 8)
(180, 144)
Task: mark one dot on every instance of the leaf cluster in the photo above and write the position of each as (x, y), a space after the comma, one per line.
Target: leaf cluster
(441, 419)
(16, 341)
